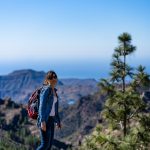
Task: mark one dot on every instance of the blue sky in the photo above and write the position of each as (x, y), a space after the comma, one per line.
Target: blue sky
(76, 38)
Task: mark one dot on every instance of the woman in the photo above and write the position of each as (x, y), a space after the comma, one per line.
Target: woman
(48, 111)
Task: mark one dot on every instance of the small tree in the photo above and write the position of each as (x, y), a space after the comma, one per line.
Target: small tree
(125, 110)
(123, 99)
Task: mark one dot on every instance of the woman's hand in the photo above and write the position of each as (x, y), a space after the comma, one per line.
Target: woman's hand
(43, 126)
(58, 125)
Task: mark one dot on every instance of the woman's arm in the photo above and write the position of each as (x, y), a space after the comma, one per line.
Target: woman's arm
(57, 113)
(43, 98)
(57, 118)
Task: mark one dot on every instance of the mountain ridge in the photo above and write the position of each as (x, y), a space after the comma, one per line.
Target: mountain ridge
(20, 84)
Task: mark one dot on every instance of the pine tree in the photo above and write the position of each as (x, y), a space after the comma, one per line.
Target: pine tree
(123, 101)
(125, 110)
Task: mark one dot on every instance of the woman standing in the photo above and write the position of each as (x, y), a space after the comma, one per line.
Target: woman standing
(48, 111)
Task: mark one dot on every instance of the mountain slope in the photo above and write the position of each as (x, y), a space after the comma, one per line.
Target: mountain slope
(80, 118)
(17, 131)
(76, 119)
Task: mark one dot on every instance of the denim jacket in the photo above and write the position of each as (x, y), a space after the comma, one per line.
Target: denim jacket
(45, 105)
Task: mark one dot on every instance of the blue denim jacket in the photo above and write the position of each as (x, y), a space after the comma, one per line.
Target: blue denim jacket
(45, 106)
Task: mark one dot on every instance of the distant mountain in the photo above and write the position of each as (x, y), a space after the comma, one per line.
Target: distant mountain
(19, 85)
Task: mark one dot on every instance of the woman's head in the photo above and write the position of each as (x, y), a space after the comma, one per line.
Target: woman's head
(50, 78)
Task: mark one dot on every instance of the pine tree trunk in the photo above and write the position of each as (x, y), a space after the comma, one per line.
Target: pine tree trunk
(124, 88)
(125, 116)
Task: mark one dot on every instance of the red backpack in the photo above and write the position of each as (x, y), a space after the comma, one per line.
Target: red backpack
(33, 104)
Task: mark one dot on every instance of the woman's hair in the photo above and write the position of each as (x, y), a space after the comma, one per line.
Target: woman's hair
(49, 76)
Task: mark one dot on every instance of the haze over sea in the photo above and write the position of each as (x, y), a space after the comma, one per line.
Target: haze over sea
(74, 38)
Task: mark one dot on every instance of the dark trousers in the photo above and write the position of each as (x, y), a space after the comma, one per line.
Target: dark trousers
(47, 136)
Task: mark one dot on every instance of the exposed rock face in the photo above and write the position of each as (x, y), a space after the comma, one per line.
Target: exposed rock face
(20, 84)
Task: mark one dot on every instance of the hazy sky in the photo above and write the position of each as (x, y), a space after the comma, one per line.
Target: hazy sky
(76, 38)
